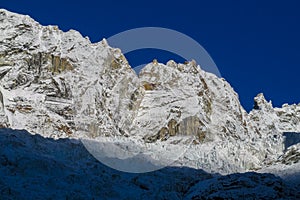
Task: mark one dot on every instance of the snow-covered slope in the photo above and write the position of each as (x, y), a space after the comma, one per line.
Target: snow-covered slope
(34, 167)
(60, 85)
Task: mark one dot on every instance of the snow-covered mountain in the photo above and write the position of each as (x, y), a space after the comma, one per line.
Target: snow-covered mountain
(60, 85)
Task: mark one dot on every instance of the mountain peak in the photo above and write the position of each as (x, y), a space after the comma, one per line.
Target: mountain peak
(58, 84)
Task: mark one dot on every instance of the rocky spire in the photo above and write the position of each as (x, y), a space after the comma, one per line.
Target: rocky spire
(260, 103)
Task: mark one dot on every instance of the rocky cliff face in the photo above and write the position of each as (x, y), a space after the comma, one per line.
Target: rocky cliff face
(59, 84)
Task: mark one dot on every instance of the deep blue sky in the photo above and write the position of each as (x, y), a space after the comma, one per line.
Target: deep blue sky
(255, 44)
